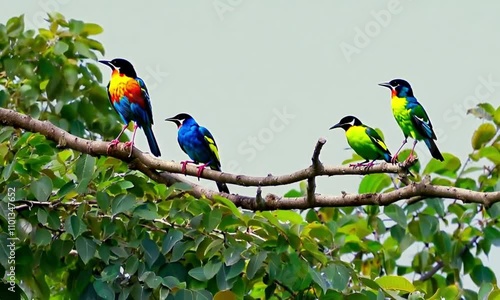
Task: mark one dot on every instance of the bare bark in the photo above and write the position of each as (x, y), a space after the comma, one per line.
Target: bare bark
(166, 172)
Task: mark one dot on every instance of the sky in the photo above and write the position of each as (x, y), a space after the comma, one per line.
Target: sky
(268, 78)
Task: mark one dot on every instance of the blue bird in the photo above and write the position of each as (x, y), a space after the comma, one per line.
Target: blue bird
(199, 144)
(411, 117)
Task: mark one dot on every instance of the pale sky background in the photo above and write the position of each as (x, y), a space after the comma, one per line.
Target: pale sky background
(238, 65)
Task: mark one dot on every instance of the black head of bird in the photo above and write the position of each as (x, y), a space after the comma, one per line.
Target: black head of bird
(179, 119)
(123, 66)
(399, 87)
(346, 123)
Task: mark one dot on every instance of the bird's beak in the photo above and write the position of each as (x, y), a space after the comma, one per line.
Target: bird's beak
(174, 120)
(107, 63)
(386, 84)
(336, 126)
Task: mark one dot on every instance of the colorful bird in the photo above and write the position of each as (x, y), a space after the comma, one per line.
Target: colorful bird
(411, 117)
(130, 99)
(199, 144)
(364, 140)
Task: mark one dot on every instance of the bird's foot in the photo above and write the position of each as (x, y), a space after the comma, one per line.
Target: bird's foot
(184, 164)
(394, 159)
(369, 165)
(112, 144)
(410, 159)
(200, 170)
(357, 165)
(131, 145)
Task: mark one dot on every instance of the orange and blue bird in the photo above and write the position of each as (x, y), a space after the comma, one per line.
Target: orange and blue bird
(130, 99)
(411, 117)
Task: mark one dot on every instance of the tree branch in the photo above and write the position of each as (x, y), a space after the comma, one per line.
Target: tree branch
(316, 165)
(162, 172)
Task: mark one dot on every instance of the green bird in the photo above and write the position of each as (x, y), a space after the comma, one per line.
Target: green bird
(364, 140)
(412, 118)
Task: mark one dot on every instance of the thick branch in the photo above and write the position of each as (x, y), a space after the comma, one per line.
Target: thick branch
(152, 168)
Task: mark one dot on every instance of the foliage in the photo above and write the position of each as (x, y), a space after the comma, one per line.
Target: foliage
(89, 227)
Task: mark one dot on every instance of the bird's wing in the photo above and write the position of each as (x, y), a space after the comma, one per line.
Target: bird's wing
(145, 96)
(421, 120)
(376, 139)
(209, 139)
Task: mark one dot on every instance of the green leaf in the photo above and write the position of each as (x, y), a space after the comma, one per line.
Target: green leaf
(496, 118)
(289, 216)
(338, 275)
(85, 167)
(110, 272)
(15, 26)
(492, 235)
(92, 29)
(103, 290)
(103, 200)
(41, 188)
(212, 219)
(374, 183)
(151, 251)
(85, 248)
(491, 153)
(172, 237)
(428, 225)
(396, 213)
(448, 167)
(42, 237)
(74, 226)
(316, 277)
(205, 272)
(123, 203)
(60, 47)
(255, 263)
(397, 283)
(483, 134)
(481, 274)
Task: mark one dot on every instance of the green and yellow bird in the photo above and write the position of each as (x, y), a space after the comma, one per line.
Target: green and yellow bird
(364, 140)
(411, 117)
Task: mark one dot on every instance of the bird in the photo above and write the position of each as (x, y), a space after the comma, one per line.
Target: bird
(129, 97)
(199, 144)
(412, 118)
(364, 140)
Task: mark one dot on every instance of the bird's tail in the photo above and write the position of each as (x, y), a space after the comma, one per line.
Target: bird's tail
(153, 145)
(220, 185)
(434, 149)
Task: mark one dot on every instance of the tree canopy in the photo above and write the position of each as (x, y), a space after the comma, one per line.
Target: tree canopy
(87, 224)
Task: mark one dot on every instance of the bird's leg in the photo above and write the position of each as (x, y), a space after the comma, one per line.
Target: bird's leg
(184, 164)
(370, 164)
(116, 140)
(395, 157)
(131, 143)
(357, 165)
(410, 157)
(201, 168)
